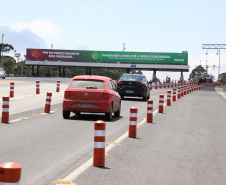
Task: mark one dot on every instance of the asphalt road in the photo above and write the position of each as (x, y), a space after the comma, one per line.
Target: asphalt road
(45, 145)
(182, 140)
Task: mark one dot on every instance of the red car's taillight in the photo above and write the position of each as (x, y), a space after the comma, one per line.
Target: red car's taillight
(67, 94)
(106, 95)
(119, 83)
(142, 84)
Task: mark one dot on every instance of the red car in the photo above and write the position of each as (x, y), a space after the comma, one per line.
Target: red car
(95, 94)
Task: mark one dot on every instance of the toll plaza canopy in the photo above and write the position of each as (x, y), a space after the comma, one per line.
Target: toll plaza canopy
(159, 61)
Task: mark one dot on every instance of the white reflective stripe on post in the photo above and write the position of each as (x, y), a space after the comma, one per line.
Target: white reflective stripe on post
(37, 87)
(150, 105)
(133, 122)
(11, 89)
(48, 97)
(161, 99)
(99, 144)
(168, 98)
(161, 104)
(149, 111)
(5, 102)
(168, 94)
(5, 110)
(48, 102)
(11, 85)
(133, 114)
(99, 132)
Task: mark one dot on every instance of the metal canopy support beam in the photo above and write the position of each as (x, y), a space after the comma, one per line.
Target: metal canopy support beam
(38, 71)
(154, 76)
(88, 70)
(63, 71)
(59, 71)
(214, 46)
(33, 73)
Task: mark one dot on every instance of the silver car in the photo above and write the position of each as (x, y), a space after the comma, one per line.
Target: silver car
(2, 73)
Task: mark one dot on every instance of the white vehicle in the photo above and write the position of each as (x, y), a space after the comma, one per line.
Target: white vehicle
(2, 73)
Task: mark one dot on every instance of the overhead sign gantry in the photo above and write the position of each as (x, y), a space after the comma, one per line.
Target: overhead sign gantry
(153, 61)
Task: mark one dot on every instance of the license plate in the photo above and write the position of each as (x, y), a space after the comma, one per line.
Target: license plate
(85, 105)
(129, 91)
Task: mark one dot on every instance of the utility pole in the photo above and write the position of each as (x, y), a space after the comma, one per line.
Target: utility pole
(124, 47)
(2, 50)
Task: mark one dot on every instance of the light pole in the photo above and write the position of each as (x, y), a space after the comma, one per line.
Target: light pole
(219, 66)
(2, 50)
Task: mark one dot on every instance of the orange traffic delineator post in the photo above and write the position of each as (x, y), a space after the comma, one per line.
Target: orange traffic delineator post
(10, 173)
(185, 90)
(151, 86)
(174, 94)
(149, 111)
(161, 102)
(99, 144)
(11, 94)
(48, 102)
(182, 91)
(37, 87)
(133, 122)
(178, 93)
(156, 85)
(188, 87)
(168, 103)
(58, 86)
(5, 109)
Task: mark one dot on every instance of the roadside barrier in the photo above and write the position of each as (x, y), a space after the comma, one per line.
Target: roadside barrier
(178, 93)
(99, 144)
(168, 103)
(133, 122)
(10, 173)
(174, 94)
(58, 86)
(11, 94)
(150, 111)
(48, 102)
(161, 102)
(37, 87)
(5, 109)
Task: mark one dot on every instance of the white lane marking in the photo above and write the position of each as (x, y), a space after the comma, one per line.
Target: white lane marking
(25, 118)
(220, 92)
(86, 165)
(30, 95)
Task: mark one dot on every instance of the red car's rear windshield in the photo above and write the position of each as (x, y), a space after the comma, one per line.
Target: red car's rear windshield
(87, 84)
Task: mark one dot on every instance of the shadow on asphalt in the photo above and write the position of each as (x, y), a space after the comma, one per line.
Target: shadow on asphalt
(92, 117)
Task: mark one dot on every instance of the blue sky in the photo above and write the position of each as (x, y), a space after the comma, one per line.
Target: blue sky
(144, 25)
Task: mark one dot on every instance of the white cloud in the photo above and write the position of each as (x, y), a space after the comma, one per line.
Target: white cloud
(41, 27)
